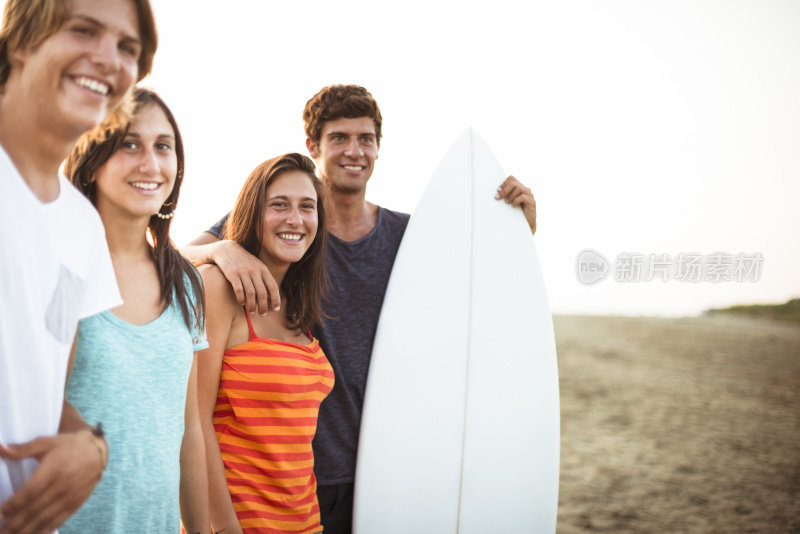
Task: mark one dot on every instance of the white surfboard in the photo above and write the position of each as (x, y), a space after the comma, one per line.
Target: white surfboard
(460, 428)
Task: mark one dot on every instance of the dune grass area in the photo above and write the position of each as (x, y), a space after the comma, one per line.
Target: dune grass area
(679, 426)
(788, 311)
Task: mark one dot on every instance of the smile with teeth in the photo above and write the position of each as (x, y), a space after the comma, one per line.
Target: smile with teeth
(93, 85)
(147, 186)
(354, 167)
(290, 237)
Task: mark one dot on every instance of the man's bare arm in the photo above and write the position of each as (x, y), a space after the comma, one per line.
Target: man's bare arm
(253, 284)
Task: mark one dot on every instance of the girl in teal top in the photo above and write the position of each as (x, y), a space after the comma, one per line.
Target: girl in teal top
(133, 364)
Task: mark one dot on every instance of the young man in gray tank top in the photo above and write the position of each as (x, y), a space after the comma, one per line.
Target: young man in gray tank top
(343, 133)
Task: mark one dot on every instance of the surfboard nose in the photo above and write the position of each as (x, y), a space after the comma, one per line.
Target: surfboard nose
(461, 412)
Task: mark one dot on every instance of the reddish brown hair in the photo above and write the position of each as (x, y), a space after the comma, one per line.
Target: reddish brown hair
(305, 282)
(340, 101)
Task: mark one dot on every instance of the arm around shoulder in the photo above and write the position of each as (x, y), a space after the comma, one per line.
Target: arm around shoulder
(253, 284)
(200, 249)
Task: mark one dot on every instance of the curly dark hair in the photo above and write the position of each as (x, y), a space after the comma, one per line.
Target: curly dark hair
(340, 101)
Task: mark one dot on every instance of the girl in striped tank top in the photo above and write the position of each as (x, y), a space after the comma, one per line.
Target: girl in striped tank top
(262, 379)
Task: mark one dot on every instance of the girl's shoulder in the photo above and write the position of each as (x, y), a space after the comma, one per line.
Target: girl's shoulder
(216, 287)
(210, 274)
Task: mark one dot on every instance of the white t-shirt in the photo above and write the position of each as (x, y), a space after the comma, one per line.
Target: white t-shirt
(54, 270)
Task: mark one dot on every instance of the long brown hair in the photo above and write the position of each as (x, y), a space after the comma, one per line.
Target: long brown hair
(305, 282)
(92, 151)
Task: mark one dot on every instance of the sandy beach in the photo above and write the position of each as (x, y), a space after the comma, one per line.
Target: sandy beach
(679, 425)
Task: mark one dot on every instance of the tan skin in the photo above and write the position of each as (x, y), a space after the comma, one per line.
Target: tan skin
(99, 40)
(343, 143)
(42, 114)
(290, 206)
(147, 156)
(70, 466)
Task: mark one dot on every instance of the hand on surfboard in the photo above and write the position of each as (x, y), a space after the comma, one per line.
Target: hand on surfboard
(252, 282)
(515, 193)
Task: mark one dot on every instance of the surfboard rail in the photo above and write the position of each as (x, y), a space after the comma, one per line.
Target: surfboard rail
(460, 430)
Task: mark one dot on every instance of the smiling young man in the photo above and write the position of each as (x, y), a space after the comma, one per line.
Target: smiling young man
(64, 66)
(343, 133)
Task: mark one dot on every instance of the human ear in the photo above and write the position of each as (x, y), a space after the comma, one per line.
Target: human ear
(18, 56)
(313, 148)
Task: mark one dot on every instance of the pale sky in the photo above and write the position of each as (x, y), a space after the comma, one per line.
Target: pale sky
(642, 126)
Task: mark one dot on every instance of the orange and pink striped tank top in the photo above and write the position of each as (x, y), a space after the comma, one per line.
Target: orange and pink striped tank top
(265, 419)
